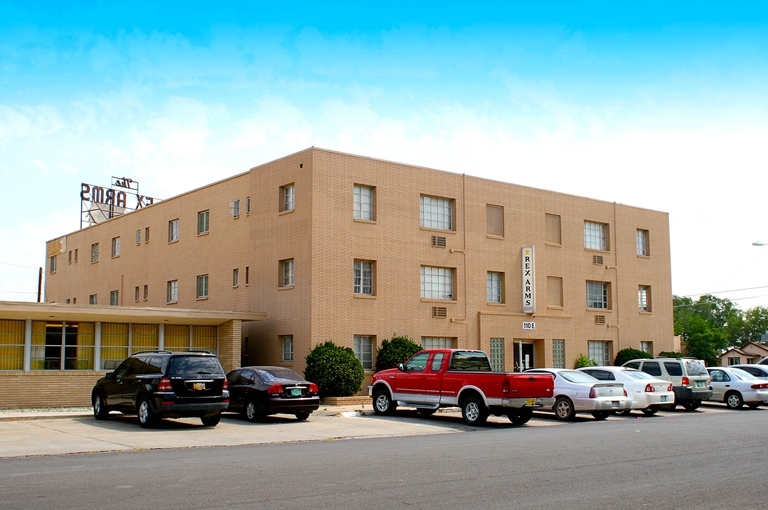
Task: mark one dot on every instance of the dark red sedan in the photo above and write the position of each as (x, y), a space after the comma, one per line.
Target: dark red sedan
(261, 391)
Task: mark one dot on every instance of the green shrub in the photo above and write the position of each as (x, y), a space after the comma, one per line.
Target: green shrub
(671, 354)
(583, 361)
(628, 354)
(335, 369)
(395, 351)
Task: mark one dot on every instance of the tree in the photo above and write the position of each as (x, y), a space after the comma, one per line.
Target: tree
(395, 351)
(707, 326)
(335, 369)
(755, 325)
(628, 354)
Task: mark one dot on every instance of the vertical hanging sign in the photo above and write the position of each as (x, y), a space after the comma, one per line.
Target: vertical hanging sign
(529, 281)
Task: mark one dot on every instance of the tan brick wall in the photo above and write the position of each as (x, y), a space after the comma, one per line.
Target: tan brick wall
(46, 389)
(323, 239)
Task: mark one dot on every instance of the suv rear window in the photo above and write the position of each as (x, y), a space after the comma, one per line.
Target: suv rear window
(184, 365)
(674, 368)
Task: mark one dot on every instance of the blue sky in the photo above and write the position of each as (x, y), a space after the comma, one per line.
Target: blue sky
(661, 105)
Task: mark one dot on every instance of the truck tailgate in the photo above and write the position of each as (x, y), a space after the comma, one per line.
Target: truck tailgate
(530, 385)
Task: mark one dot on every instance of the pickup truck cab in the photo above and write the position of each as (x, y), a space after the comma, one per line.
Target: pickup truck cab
(436, 378)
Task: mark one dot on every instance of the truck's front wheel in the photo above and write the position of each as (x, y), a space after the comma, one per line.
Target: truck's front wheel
(382, 403)
(473, 411)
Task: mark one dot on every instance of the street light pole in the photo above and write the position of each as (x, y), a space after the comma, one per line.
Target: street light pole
(758, 243)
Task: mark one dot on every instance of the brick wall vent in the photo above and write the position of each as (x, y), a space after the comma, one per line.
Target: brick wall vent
(599, 319)
(440, 312)
(438, 241)
(597, 260)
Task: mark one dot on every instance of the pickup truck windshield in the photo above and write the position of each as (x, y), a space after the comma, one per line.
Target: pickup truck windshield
(476, 361)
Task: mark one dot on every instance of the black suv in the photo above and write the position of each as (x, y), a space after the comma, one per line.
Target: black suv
(164, 384)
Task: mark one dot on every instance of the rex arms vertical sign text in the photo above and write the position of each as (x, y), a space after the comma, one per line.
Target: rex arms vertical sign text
(529, 281)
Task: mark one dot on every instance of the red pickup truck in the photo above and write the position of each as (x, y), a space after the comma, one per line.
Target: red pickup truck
(436, 378)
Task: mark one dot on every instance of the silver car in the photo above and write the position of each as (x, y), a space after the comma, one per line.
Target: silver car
(736, 387)
(579, 392)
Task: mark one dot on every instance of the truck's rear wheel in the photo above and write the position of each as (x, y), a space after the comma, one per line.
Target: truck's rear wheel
(473, 411)
(382, 403)
(520, 416)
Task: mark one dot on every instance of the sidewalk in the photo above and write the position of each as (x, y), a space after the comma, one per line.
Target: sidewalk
(25, 433)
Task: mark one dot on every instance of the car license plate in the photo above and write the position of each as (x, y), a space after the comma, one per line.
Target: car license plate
(530, 401)
(615, 403)
(198, 386)
(295, 392)
(663, 398)
(699, 384)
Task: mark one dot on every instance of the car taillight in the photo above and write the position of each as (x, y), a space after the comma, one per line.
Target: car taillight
(649, 388)
(759, 386)
(592, 392)
(164, 385)
(625, 392)
(686, 381)
(313, 389)
(226, 385)
(275, 389)
(669, 388)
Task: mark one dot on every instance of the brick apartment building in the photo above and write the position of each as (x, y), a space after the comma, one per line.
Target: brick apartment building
(332, 246)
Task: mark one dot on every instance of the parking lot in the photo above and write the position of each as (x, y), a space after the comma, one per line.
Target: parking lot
(68, 432)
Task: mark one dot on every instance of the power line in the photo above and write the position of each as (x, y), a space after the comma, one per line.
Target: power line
(18, 265)
(724, 291)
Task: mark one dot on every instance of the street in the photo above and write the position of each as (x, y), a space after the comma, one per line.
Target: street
(673, 460)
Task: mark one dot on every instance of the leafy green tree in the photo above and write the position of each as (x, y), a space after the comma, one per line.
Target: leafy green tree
(755, 325)
(335, 369)
(395, 351)
(708, 325)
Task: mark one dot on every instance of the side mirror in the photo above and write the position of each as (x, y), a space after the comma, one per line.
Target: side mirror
(401, 367)
(110, 375)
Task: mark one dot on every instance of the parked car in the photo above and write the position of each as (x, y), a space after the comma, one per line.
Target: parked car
(579, 392)
(759, 371)
(688, 376)
(164, 384)
(736, 387)
(261, 391)
(648, 394)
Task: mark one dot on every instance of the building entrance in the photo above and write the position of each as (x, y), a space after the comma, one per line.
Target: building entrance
(524, 355)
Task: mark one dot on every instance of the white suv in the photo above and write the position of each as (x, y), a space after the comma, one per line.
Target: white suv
(689, 377)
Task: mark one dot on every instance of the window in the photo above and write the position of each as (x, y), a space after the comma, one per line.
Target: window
(93, 299)
(554, 291)
(53, 264)
(553, 228)
(136, 294)
(497, 354)
(138, 237)
(202, 222)
(247, 205)
(95, 252)
(286, 273)
(558, 353)
(146, 292)
(235, 277)
(247, 275)
(173, 231)
(234, 208)
(62, 345)
(69, 257)
(644, 298)
(287, 198)
(432, 342)
(287, 341)
(647, 347)
(436, 213)
(364, 351)
(202, 286)
(114, 298)
(495, 287)
(436, 282)
(115, 247)
(599, 352)
(363, 202)
(173, 291)
(494, 220)
(643, 247)
(75, 255)
(734, 361)
(597, 295)
(146, 235)
(595, 236)
(363, 278)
